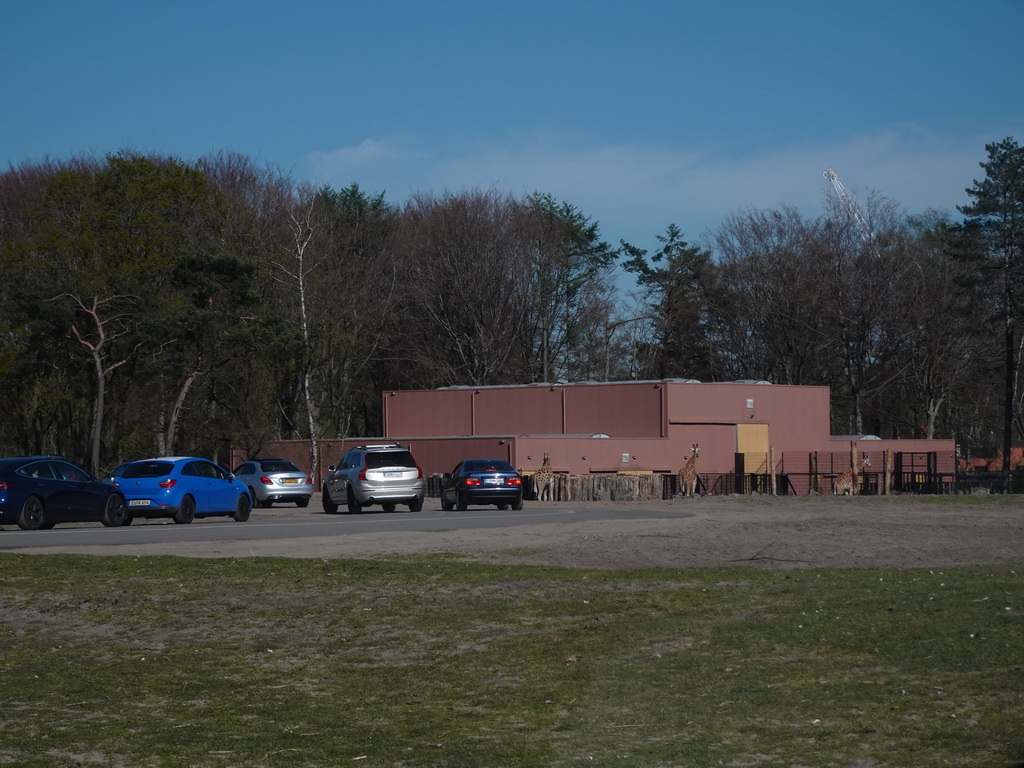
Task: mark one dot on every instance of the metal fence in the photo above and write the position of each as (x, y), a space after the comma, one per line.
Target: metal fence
(989, 482)
(806, 473)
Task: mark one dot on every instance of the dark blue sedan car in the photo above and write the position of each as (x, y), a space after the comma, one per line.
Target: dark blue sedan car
(41, 491)
(181, 488)
(481, 481)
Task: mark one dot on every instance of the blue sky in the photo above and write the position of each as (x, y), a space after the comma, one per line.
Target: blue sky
(640, 113)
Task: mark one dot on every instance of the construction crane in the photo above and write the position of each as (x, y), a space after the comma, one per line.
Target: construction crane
(849, 204)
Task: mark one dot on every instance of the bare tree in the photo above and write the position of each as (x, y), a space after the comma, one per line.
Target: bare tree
(96, 340)
(877, 280)
(302, 260)
(770, 299)
(464, 262)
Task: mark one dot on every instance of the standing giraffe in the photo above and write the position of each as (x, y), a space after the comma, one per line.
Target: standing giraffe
(688, 475)
(544, 481)
(843, 485)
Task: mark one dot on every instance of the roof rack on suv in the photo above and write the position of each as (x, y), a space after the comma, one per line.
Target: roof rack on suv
(380, 445)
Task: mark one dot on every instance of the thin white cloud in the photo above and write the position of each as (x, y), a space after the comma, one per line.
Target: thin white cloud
(636, 192)
(371, 156)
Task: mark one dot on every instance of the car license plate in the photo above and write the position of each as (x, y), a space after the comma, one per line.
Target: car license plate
(492, 481)
(392, 474)
(138, 502)
(290, 480)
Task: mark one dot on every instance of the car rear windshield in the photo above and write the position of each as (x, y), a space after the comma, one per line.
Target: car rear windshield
(389, 459)
(148, 469)
(488, 465)
(278, 466)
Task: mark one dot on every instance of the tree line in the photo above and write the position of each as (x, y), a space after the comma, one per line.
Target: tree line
(156, 306)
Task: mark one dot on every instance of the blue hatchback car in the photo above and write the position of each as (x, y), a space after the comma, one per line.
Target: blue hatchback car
(41, 491)
(182, 488)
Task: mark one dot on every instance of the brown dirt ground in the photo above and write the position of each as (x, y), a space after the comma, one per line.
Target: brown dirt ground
(759, 531)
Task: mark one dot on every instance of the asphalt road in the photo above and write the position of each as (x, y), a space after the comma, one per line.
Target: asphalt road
(287, 522)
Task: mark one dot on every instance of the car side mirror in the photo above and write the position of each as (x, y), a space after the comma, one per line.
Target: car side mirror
(330, 468)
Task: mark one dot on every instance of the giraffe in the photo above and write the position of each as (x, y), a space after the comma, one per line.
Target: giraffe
(688, 475)
(544, 481)
(843, 485)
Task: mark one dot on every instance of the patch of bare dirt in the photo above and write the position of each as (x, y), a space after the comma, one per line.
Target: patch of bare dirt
(759, 531)
(765, 532)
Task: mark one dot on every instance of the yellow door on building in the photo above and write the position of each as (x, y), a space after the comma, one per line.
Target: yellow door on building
(752, 442)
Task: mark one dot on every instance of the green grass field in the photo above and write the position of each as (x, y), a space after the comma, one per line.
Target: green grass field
(431, 661)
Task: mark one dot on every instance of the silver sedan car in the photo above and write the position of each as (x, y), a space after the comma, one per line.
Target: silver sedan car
(271, 480)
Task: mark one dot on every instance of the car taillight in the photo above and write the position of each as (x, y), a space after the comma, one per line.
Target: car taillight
(3, 485)
(419, 472)
(362, 474)
(309, 481)
(471, 481)
(168, 483)
(266, 481)
(514, 481)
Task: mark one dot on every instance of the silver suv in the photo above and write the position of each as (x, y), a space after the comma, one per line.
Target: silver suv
(374, 474)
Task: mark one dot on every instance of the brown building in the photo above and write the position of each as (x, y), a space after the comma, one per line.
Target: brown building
(741, 427)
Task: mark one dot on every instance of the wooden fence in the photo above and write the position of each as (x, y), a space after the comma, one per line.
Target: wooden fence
(587, 487)
(796, 475)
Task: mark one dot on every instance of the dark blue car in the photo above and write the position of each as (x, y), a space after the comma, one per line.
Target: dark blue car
(481, 481)
(181, 488)
(41, 491)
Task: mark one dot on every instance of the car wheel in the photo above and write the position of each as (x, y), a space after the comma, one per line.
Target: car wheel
(416, 505)
(243, 508)
(518, 504)
(329, 506)
(266, 504)
(388, 506)
(502, 507)
(114, 512)
(32, 514)
(354, 507)
(460, 503)
(446, 505)
(302, 503)
(186, 512)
